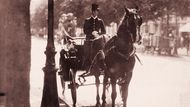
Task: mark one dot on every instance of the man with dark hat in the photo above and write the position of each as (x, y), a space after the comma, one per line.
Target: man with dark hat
(93, 28)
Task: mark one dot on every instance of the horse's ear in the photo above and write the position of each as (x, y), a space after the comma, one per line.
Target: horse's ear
(126, 10)
(140, 20)
(136, 7)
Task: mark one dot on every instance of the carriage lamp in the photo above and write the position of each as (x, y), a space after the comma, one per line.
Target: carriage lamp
(50, 94)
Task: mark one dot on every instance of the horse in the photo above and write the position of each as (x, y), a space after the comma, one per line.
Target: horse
(117, 52)
(117, 59)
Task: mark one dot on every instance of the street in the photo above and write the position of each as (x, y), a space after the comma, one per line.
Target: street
(161, 81)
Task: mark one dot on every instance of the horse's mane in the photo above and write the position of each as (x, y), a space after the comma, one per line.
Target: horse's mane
(110, 43)
(121, 21)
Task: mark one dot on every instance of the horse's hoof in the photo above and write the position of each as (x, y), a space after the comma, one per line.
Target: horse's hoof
(98, 105)
(104, 104)
(124, 106)
(74, 105)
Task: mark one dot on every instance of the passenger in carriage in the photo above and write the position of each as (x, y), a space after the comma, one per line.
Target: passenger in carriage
(93, 28)
(63, 35)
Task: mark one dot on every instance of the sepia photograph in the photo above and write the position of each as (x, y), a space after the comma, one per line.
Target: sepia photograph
(94, 53)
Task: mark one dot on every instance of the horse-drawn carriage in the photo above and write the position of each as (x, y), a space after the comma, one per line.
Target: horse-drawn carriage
(73, 59)
(114, 57)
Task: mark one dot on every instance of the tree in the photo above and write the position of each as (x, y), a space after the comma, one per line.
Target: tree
(113, 10)
(15, 45)
(79, 8)
(39, 20)
(174, 8)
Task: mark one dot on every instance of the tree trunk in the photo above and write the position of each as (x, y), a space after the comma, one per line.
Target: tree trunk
(15, 45)
(167, 22)
(176, 24)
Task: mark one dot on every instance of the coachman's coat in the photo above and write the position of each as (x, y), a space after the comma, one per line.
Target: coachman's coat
(93, 24)
(91, 48)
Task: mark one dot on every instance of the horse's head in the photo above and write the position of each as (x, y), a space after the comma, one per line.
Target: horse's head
(129, 28)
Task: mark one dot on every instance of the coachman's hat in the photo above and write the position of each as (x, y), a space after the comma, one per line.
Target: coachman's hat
(131, 5)
(95, 7)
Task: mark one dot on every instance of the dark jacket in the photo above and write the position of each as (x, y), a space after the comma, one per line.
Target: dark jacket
(91, 25)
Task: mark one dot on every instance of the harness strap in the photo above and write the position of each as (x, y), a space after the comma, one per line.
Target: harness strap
(94, 59)
(138, 59)
(132, 53)
(87, 73)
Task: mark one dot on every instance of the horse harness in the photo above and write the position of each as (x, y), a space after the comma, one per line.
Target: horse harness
(124, 53)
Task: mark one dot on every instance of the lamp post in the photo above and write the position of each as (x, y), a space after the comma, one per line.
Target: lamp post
(50, 95)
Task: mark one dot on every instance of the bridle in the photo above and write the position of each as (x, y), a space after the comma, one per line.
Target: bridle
(136, 24)
(131, 32)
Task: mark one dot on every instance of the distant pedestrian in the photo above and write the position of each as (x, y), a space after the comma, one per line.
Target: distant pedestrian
(176, 43)
(186, 43)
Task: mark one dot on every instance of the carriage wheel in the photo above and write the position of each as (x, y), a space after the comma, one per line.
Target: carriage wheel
(62, 84)
(73, 88)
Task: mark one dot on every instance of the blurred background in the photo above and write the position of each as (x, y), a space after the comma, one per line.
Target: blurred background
(165, 28)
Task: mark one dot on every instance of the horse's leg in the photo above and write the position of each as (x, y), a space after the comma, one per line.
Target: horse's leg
(114, 93)
(124, 89)
(73, 88)
(97, 91)
(62, 84)
(104, 90)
